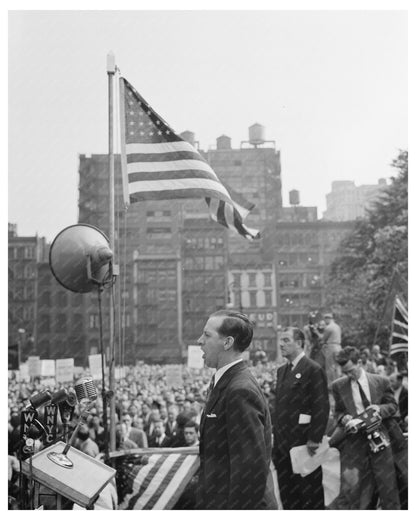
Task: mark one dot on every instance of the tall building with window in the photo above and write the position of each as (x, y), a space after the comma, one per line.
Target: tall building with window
(346, 201)
(25, 252)
(303, 252)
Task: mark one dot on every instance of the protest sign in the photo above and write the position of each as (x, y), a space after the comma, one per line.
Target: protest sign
(34, 368)
(47, 367)
(94, 361)
(195, 357)
(65, 370)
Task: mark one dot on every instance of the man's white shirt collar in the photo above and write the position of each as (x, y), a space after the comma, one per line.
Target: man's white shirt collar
(297, 359)
(363, 380)
(221, 371)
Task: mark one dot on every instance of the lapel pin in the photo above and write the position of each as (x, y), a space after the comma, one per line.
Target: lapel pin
(298, 376)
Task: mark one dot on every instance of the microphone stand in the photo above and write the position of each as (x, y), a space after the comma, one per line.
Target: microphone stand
(61, 458)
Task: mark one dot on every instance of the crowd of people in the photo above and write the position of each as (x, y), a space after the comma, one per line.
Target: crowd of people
(150, 413)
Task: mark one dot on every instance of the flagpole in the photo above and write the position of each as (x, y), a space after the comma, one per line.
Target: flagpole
(111, 69)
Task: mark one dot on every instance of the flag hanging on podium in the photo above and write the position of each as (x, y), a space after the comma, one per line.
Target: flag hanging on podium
(158, 164)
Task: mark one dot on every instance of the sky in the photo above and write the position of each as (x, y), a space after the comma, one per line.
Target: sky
(330, 88)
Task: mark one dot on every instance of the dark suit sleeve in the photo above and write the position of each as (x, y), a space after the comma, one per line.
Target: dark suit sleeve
(248, 448)
(388, 404)
(318, 388)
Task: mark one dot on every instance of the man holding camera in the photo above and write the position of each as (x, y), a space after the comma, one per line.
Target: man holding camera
(364, 409)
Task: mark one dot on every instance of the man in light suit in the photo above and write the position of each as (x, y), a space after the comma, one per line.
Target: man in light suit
(362, 470)
(235, 429)
(331, 345)
(300, 418)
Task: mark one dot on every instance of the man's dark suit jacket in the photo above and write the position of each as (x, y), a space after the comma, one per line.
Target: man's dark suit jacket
(302, 390)
(403, 403)
(235, 444)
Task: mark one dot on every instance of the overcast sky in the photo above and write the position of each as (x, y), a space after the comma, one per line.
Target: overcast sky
(330, 87)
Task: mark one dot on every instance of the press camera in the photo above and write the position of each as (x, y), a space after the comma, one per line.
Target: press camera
(369, 423)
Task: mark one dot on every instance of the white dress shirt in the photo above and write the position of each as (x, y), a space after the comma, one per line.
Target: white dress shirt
(221, 371)
(297, 359)
(356, 392)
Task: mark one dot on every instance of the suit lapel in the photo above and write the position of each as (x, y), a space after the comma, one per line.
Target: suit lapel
(218, 389)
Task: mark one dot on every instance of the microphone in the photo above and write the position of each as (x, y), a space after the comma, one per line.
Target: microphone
(85, 389)
(38, 400)
(59, 396)
(86, 392)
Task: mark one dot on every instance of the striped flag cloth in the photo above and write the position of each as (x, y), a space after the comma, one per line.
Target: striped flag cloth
(159, 483)
(399, 335)
(157, 164)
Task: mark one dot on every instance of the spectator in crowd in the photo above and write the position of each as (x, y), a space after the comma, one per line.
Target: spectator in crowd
(122, 441)
(364, 470)
(300, 418)
(158, 438)
(331, 341)
(97, 433)
(376, 356)
(401, 397)
(368, 365)
(170, 424)
(134, 434)
(84, 443)
(177, 440)
(191, 433)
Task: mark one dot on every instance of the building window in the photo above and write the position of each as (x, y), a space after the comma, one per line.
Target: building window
(253, 298)
(268, 298)
(29, 252)
(62, 299)
(60, 323)
(267, 279)
(44, 324)
(94, 321)
(251, 279)
(237, 279)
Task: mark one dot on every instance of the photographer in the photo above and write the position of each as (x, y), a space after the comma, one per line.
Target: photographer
(364, 406)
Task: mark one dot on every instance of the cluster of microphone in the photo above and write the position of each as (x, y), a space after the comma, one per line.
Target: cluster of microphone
(85, 392)
(85, 389)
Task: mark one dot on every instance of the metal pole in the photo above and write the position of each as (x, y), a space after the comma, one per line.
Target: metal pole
(111, 69)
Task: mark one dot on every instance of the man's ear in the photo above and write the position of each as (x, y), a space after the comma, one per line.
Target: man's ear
(228, 343)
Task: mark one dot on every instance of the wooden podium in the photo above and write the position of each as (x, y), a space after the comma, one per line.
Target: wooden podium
(81, 484)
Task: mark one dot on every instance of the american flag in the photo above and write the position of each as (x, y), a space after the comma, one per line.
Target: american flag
(157, 164)
(160, 481)
(399, 335)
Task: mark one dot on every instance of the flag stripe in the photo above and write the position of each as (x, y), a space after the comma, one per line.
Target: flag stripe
(176, 486)
(155, 482)
(160, 157)
(144, 478)
(167, 175)
(165, 479)
(167, 166)
(161, 148)
(399, 333)
(186, 193)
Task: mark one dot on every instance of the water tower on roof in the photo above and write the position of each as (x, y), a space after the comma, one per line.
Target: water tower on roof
(256, 136)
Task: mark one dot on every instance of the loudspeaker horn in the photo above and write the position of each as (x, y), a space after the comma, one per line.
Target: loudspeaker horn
(80, 258)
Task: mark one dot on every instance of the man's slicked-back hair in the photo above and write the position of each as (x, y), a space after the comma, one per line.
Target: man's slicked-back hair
(348, 354)
(298, 334)
(237, 325)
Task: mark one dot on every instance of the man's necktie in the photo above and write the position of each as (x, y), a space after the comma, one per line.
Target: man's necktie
(211, 386)
(364, 398)
(290, 366)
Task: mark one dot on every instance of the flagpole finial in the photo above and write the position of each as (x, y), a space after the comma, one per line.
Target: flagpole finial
(111, 63)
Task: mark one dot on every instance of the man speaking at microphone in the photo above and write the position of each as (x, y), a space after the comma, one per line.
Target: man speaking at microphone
(235, 429)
